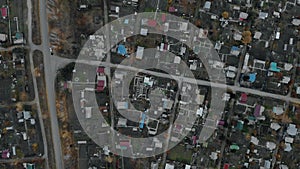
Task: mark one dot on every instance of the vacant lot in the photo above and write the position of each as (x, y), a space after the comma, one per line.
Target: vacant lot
(180, 153)
(36, 34)
(70, 26)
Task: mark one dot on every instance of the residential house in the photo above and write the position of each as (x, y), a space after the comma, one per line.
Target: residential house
(169, 166)
(243, 16)
(278, 110)
(122, 50)
(18, 38)
(122, 122)
(292, 130)
(275, 126)
(207, 5)
(4, 12)
(257, 35)
(144, 31)
(5, 154)
(139, 52)
(237, 36)
(101, 79)
(262, 15)
(296, 22)
(122, 105)
(3, 37)
(235, 50)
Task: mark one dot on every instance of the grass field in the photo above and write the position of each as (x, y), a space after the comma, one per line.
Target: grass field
(181, 154)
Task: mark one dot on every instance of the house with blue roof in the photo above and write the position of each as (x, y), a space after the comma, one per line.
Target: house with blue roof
(273, 67)
(235, 50)
(249, 77)
(252, 77)
(240, 125)
(122, 50)
(142, 122)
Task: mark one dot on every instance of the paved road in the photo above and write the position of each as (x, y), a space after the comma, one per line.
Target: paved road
(36, 94)
(191, 80)
(50, 79)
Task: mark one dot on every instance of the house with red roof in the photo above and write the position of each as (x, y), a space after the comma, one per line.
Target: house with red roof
(5, 154)
(172, 9)
(100, 86)
(258, 110)
(101, 79)
(243, 98)
(194, 138)
(100, 70)
(226, 166)
(125, 144)
(151, 23)
(4, 12)
(163, 17)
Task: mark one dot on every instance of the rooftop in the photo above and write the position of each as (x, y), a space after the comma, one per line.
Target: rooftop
(122, 50)
(4, 12)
